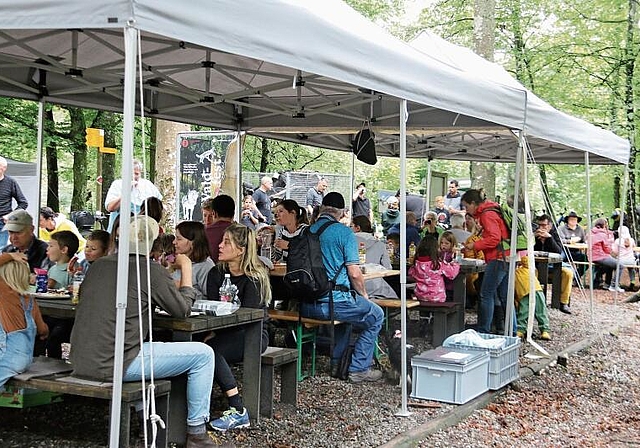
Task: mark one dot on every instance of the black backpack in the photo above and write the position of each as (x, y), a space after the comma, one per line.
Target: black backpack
(306, 277)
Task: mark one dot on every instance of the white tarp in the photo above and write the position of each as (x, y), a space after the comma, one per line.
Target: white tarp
(560, 130)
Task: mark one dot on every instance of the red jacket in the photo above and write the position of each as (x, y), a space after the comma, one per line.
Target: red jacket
(494, 230)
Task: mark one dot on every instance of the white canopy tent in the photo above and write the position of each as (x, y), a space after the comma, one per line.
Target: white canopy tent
(239, 65)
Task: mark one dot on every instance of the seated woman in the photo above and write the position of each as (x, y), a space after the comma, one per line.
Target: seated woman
(20, 318)
(191, 241)
(239, 258)
(601, 243)
(291, 219)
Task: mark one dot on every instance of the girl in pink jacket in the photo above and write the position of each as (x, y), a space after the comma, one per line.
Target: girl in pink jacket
(429, 272)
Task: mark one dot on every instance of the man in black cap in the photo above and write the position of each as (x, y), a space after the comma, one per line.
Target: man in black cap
(339, 248)
(572, 233)
(360, 205)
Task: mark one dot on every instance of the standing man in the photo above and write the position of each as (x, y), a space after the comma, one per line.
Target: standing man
(9, 190)
(494, 230)
(548, 240)
(315, 195)
(263, 201)
(20, 227)
(217, 214)
(141, 189)
(360, 205)
(351, 304)
(452, 199)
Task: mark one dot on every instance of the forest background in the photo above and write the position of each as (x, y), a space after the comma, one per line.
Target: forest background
(578, 55)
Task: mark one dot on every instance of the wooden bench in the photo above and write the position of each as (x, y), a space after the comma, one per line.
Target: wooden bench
(390, 306)
(287, 360)
(305, 332)
(445, 319)
(131, 394)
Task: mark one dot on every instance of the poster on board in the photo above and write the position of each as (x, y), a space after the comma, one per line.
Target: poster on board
(202, 170)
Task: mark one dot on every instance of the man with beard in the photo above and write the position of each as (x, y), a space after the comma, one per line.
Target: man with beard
(391, 215)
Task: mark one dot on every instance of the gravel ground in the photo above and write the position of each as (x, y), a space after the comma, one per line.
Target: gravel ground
(593, 401)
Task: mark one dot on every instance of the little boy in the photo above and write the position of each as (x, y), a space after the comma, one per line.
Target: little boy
(62, 247)
(522, 299)
(97, 246)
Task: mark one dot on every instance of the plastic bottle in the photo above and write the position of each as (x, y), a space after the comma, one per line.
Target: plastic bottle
(78, 278)
(459, 252)
(362, 253)
(412, 252)
(265, 248)
(392, 252)
(226, 290)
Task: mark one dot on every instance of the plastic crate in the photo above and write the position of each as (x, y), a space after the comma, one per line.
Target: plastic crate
(503, 363)
(449, 375)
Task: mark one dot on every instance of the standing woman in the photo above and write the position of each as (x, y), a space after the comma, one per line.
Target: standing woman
(192, 241)
(238, 257)
(20, 317)
(291, 220)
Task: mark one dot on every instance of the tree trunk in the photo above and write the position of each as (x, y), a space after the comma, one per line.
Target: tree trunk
(78, 144)
(53, 171)
(264, 155)
(630, 57)
(166, 163)
(110, 123)
(483, 174)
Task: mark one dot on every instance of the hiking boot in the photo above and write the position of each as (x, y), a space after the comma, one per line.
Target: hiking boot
(368, 375)
(231, 419)
(200, 441)
(520, 334)
(545, 336)
(564, 308)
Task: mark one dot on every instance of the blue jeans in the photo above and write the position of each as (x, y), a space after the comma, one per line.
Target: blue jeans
(358, 313)
(173, 359)
(494, 287)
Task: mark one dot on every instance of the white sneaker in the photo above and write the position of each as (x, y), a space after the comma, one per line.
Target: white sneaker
(614, 289)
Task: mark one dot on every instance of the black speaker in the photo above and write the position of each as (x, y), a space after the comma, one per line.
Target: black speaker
(364, 147)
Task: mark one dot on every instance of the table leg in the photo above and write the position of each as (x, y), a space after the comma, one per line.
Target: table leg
(460, 296)
(251, 369)
(556, 285)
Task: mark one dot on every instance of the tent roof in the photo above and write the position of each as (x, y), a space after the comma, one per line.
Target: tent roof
(241, 64)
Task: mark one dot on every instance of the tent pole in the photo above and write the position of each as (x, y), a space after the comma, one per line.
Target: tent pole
(239, 189)
(39, 151)
(428, 190)
(589, 225)
(130, 48)
(509, 312)
(403, 411)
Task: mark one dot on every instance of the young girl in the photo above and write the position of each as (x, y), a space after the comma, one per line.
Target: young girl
(250, 214)
(448, 252)
(429, 272)
(163, 250)
(20, 318)
(239, 258)
(622, 249)
(97, 246)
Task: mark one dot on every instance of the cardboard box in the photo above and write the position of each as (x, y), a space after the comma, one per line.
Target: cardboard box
(449, 375)
(18, 397)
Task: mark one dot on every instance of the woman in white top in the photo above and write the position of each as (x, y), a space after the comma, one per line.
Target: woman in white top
(192, 241)
(290, 220)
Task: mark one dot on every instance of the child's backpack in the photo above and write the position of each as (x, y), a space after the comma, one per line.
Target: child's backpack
(306, 277)
(506, 213)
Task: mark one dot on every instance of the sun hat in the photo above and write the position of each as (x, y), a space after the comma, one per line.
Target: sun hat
(572, 214)
(142, 233)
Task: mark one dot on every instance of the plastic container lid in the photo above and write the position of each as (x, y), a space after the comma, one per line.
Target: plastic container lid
(451, 356)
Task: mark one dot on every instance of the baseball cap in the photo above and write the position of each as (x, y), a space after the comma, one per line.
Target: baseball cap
(18, 220)
(333, 199)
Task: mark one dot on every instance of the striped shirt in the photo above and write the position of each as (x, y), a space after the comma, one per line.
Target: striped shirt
(9, 189)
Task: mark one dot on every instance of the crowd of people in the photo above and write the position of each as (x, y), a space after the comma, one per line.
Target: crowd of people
(192, 261)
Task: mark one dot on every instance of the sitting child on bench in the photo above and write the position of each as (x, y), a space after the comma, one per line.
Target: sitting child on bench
(429, 271)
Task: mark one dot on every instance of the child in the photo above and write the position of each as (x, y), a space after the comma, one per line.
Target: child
(163, 251)
(442, 214)
(250, 214)
(429, 272)
(62, 247)
(20, 318)
(522, 299)
(97, 246)
(622, 249)
(448, 249)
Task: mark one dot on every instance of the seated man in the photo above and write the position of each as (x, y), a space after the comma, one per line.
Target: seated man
(571, 233)
(548, 240)
(92, 338)
(351, 305)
